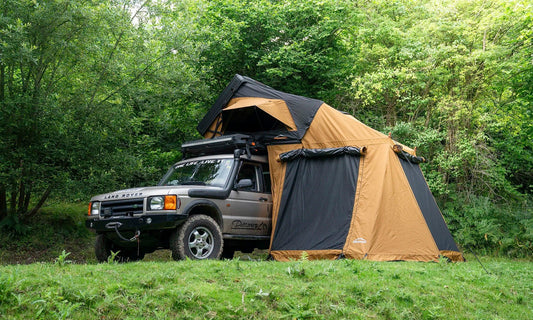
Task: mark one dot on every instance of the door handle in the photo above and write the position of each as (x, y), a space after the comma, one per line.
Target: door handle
(263, 199)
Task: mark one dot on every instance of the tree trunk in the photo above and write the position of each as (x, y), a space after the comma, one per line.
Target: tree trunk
(3, 202)
(22, 195)
(13, 200)
(33, 211)
(27, 198)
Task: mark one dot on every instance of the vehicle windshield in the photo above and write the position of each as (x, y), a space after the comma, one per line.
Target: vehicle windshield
(213, 172)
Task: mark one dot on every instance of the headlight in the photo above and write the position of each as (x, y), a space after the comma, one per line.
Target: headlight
(157, 203)
(94, 208)
(164, 203)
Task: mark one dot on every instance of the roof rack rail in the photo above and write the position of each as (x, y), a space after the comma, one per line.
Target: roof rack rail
(222, 144)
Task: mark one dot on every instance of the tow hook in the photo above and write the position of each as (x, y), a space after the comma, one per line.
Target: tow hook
(115, 225)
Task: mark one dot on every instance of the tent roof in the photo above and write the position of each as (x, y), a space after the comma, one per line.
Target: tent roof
(301, 109)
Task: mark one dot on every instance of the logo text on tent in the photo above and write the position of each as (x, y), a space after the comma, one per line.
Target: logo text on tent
(359, 240)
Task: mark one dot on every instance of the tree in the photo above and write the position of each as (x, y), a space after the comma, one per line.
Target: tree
(294, 46)
(36, 44)
(82, 85)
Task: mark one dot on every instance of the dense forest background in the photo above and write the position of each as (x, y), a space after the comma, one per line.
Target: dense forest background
(99, 95)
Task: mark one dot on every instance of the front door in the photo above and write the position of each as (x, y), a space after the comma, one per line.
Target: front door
(249, 209)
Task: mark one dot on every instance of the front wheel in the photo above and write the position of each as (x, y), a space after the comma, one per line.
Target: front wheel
(198, 238)
(103, 248)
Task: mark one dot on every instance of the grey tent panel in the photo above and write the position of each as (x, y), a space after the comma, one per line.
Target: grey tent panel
(434, 220)
(317, 203)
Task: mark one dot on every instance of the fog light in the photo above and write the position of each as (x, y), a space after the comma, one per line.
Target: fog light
(148, 220)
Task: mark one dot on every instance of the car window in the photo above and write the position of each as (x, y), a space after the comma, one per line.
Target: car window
(199, 172)
(249, 171)
(266, 178)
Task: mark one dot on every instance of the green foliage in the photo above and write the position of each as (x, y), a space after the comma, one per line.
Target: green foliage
(87, 91)
(291, 45)
(52, 235)
(113, 257)
(483, 227)
(11, 224)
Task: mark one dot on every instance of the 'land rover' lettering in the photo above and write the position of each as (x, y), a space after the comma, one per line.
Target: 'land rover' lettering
(124, 195)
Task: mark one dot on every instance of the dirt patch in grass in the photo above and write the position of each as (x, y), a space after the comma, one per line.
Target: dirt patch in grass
(81, 251)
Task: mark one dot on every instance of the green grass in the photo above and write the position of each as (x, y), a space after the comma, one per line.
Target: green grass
(50, 273)
(237, 289)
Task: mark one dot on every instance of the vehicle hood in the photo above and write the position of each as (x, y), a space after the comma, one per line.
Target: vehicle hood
(144, 192)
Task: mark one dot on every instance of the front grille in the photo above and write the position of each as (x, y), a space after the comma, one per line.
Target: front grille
(121, 208)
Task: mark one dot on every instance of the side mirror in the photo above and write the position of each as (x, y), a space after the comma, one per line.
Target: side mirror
(244, 183)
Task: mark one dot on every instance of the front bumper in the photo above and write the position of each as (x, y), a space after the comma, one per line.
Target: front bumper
(141, 223)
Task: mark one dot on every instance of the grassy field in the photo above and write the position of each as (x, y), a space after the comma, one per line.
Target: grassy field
(50, 272)
(239, 289)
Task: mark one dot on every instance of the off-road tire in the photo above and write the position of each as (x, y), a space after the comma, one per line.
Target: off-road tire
(103, 248)
(198, 238)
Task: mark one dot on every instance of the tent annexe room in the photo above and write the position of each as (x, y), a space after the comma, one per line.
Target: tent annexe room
(339, 187)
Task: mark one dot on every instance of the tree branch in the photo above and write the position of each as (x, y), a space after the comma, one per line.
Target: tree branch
(135, 78)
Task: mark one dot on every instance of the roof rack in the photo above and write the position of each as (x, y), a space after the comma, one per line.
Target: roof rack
(221, 145)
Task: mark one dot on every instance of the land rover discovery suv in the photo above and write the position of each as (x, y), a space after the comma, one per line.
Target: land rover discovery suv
(214, 202)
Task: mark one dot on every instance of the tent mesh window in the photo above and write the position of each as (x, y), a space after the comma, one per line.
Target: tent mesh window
(250, 120)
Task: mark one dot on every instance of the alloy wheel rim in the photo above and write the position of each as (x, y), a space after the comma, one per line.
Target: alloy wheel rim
(201, 242)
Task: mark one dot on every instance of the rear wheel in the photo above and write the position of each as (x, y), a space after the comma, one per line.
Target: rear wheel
(198, 238)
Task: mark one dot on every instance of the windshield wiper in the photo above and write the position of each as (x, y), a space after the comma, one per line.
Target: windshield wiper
(193, 183)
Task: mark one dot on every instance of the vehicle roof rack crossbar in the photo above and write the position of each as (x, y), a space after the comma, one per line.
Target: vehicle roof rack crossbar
(222, 144)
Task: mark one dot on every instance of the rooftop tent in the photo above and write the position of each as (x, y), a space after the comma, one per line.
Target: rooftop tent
(244, 93)
(340, 188)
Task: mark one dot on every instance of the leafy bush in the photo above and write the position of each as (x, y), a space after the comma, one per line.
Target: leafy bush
(480, 225)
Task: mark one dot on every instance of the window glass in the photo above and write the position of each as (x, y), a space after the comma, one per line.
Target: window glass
(248, 171)
(266, 178)
(202, 172)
